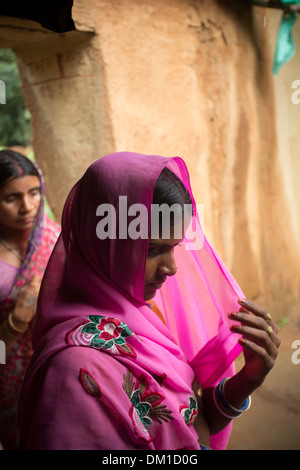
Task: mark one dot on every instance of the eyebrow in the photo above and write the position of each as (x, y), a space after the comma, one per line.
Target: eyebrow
(16, 193)
(163, 244)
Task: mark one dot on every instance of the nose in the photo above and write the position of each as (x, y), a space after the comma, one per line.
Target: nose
(26, 204)
(167, 265)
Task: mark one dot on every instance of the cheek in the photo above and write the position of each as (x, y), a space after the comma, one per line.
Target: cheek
(7, 214)
(35, 202)
(150, 270)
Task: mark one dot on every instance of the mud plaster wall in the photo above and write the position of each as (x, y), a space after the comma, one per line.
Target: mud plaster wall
(188, 78)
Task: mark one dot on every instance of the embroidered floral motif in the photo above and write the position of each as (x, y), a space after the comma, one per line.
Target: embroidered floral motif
(160, 378)
(189, 413)
(104, 333)
(145, 405)
(89, 384)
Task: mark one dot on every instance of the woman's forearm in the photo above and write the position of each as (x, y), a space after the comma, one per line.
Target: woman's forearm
(10, 329)
(8, 338)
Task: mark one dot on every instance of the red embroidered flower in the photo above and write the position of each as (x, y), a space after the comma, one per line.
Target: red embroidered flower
(104, 333)
(189, 413)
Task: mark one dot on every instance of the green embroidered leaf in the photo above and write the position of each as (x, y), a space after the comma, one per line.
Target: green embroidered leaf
(108, 344)
(147, 422)
(90, 328)
(143, 408)
(193, 403)
(160, 412)
(142, 386)
(125, 348)
(95, 318)
(135, 398)
(128, 383)
(119, 340)
(89, 384)
(153, 398)
(98, 343)
(126, 330)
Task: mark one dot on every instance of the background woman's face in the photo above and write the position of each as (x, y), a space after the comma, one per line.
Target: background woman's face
(19, 202)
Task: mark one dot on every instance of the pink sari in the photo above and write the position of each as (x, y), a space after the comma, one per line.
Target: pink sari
(42, 238)
(107, 373)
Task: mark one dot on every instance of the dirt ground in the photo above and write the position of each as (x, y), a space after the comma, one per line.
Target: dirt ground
(273, 421)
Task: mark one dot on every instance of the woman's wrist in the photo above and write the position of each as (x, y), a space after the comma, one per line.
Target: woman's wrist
(224, 406)
(238, 388)
(15, 326)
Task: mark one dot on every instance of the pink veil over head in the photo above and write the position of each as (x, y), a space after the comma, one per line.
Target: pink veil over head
(89, 276)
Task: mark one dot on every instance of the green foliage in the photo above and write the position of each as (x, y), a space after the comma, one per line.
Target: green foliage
(14, 117)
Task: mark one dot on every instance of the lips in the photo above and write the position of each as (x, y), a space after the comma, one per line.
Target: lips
(26, 220)
(157, 285)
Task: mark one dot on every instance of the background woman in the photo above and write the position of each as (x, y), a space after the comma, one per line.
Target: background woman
(27, 237)
(123, 346)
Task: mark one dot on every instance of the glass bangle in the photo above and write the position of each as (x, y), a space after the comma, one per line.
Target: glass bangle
(224, 407)
(245, 406)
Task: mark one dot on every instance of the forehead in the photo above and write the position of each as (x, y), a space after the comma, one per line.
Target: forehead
(20, 185)
(174, 236)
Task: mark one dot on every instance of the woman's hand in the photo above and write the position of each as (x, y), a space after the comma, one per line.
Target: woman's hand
(260, 346)
(259, 340)
(22, 314)
(25, 307)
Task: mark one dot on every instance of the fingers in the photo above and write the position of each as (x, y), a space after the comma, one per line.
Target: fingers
(258, 327)
(25, 307)
(258, 341)
(258, 338)
(259, 311)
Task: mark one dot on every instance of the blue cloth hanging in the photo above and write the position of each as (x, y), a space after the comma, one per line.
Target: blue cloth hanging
(285, 48)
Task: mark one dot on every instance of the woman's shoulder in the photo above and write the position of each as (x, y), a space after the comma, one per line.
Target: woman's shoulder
(51, 230)
(51, 224)
(79, 361)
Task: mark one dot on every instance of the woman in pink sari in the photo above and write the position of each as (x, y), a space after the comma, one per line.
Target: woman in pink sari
(129, 355)
(27, 237)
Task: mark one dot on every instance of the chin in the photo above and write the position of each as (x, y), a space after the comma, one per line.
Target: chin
(149, 295)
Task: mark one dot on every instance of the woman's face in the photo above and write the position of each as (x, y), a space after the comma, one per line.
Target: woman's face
(19, 202)
(160, 263)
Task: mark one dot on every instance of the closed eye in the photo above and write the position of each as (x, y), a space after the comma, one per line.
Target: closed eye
(157, 249)
(35, 191)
